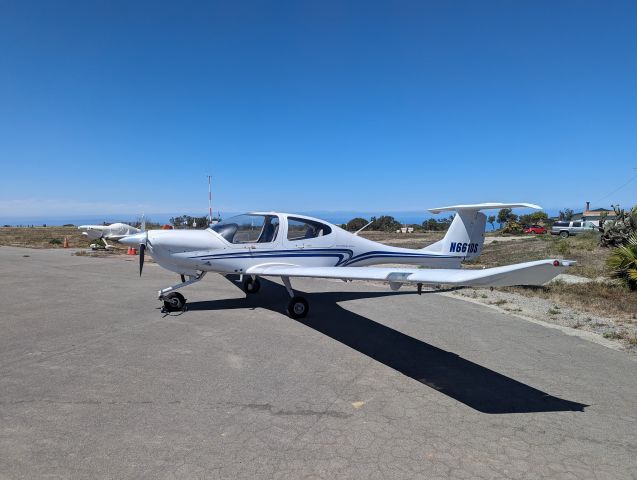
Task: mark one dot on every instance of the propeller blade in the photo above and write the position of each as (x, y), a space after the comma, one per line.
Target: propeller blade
(142, 247)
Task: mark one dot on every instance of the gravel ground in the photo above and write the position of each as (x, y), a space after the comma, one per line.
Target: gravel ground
(608, 331)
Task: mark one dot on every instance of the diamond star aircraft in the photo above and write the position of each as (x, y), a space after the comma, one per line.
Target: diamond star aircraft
(286, 245)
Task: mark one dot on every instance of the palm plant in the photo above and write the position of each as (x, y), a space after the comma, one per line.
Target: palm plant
(623, 263)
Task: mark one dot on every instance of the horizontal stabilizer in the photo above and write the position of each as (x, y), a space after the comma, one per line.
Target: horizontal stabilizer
(484, 206)
(528, 273)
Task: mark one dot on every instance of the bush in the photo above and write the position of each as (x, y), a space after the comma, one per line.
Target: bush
(55, 241)
(385, 223)
(356, 224)
(512, 227)
(563, 247)
(616, 232)
(623, 263)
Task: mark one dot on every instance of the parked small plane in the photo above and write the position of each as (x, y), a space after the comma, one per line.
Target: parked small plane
(114, 232)
(272, 244)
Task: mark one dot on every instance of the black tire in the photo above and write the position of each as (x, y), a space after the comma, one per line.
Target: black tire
(298, 307)
(251, 286)
(564, 234)
(174, 302)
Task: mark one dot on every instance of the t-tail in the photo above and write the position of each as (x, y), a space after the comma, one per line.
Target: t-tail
(465, 236)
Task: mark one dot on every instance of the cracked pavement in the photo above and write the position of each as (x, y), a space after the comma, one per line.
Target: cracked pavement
(96, 383)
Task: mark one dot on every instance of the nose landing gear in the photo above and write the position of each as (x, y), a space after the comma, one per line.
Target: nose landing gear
(175, 301)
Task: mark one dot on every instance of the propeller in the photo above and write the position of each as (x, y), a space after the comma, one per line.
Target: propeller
(142, 250)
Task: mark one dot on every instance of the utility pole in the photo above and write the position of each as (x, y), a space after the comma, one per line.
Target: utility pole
(209, 201)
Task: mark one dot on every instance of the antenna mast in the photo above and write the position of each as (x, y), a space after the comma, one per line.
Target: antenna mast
(209, 201)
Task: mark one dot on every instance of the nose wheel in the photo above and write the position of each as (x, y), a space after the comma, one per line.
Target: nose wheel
(174, 302)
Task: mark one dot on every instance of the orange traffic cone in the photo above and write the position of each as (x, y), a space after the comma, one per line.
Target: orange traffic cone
(134, 251)
(128, 252)
(66, 242)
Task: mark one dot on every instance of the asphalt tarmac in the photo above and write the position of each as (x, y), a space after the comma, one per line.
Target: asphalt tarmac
(95, 382)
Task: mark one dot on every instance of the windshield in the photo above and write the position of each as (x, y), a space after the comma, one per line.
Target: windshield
(248, 228)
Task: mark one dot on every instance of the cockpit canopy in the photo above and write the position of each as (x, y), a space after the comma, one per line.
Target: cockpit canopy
(248, 228)
(264, 228)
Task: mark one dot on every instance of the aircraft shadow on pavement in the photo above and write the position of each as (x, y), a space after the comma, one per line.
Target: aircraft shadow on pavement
(476, 386)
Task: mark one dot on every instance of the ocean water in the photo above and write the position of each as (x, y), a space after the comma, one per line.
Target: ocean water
(332, 217)
(336, 217)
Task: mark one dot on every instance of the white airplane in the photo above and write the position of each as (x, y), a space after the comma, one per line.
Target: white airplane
(272, 244)
(114, 232)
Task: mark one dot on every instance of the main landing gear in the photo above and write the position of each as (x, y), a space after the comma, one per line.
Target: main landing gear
(251, 285)
(298, 306)
(175, 301)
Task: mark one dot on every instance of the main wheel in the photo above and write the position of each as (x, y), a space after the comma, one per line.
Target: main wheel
(564, 234)
(174, 302)
(298, 307)
(251, 285)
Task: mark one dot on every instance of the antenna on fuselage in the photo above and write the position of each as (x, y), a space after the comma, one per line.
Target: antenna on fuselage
(209, 200)
(363, 228)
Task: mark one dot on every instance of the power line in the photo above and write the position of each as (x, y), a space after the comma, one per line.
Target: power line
(618, 188)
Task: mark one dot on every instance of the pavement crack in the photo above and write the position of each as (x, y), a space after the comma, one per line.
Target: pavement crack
(301, 412)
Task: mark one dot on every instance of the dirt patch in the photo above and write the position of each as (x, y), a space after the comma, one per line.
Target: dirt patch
(404, 240)
(47, 237)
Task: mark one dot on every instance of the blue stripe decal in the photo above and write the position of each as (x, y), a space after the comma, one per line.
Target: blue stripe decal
(341, 254)
(390, 254)
(345, 256)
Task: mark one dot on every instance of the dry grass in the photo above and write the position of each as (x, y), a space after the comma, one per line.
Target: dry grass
(601, 298)
(45, 237)
(606, 299)
(628, 337)
(404, 240)
(591, 259)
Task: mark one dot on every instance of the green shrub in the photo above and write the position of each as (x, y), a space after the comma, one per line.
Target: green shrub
(623, 263)
(563, 247)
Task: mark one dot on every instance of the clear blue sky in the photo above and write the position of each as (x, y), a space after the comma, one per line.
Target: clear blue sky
(119, 106)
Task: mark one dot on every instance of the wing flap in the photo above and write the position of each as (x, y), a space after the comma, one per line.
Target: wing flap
(528, 273)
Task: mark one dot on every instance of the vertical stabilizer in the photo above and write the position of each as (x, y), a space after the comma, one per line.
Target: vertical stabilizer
(465, 236)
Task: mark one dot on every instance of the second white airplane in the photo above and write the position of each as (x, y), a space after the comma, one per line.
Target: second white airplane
(271, 244)
(114, 232)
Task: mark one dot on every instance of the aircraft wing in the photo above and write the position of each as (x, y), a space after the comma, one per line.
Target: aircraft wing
(116, 238)
(528, 273)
